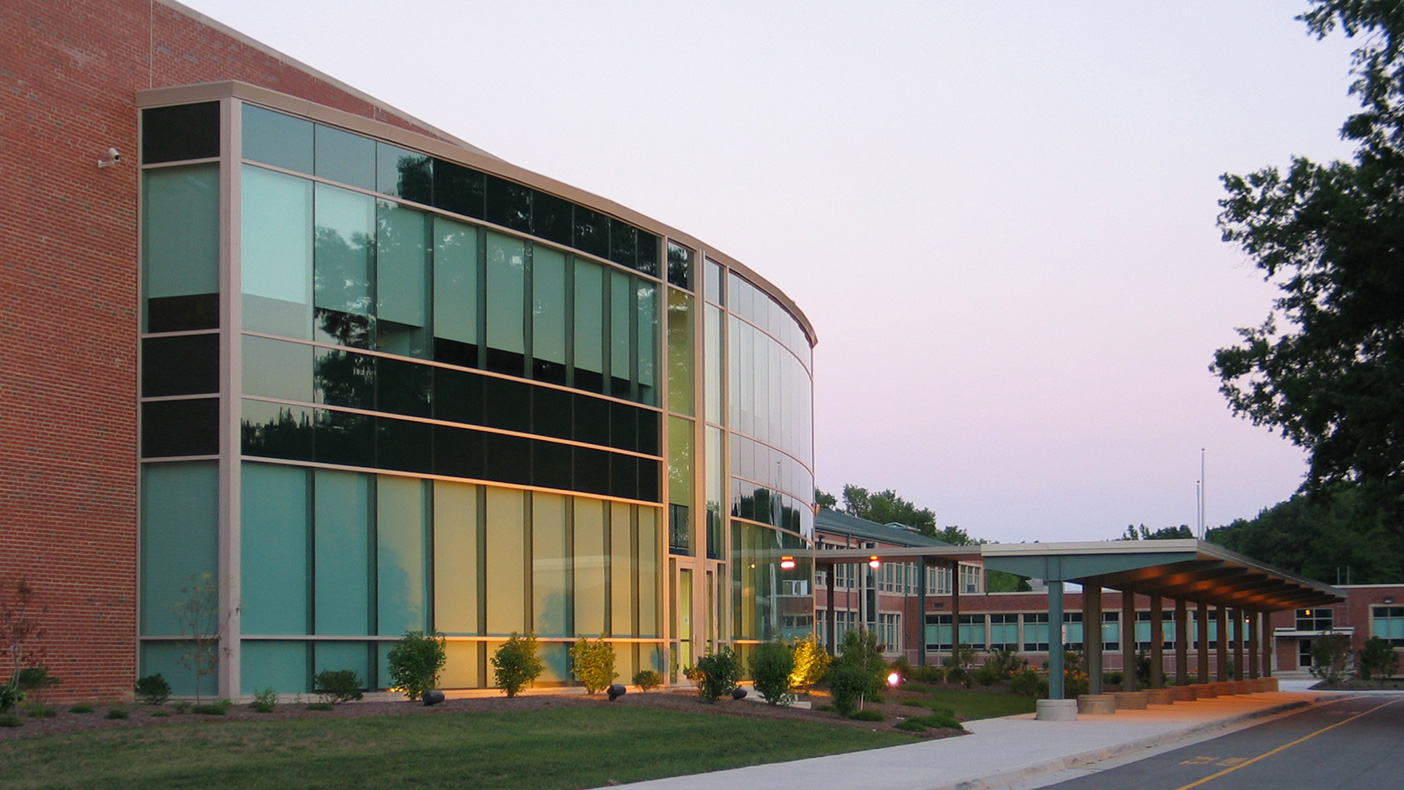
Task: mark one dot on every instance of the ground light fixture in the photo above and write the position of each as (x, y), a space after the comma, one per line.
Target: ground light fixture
(787, 563)
(615, 691)
(893, 680)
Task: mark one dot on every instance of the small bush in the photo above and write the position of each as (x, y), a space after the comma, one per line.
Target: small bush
(771, 664)
(848, 683)
(219, 708)
(928, 674)
(647, 680)
(10, 695)
(811, 663)
(941, 720)
(989, 674)
(867, 715)
(9, 720)
(116, 713)
(36, 680)
(181, 707)
(265, 701)
(415, 662)
(716, 674)
(515, 664)
(593, 664)
(1378, 660)
(825, 707)
(40, 711)
(860, 650)
(320, 706)
(1028, 682)
(81, 709)
(910, 726)
(160, 714)
(153, 689)
(1112, 678)
(338, 685)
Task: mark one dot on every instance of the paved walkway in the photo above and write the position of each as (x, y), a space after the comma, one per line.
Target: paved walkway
(1004, 752)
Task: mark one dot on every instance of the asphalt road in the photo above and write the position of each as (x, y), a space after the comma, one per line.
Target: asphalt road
(1354, 744)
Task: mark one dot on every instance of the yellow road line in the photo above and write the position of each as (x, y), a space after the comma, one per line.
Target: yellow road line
(1285, 746)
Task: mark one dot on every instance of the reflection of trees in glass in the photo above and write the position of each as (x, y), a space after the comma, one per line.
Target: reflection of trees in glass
(286, 436)
(345, 378)
(415, 178)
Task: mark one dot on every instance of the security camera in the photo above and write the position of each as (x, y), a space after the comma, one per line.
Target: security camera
(113, 157)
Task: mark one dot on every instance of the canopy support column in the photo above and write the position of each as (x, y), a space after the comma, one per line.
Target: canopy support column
(1157, 639)
(1181, 642)
(921, 611)
(1221, 655)
(1201, 618)
(1091, 634)
(1055, 640)
(1128, 640)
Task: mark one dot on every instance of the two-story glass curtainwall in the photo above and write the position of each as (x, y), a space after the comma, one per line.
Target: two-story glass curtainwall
(389, 384)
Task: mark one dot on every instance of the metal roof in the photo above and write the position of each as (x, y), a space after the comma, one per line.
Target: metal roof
(841, 523)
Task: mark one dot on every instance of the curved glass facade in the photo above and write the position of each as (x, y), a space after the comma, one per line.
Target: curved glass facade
(385, 390)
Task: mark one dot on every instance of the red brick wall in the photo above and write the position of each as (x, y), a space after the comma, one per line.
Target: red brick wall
(68, 303)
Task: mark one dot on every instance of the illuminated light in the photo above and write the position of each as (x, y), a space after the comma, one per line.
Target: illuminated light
(787, 563)
(893, 679)
(874, 563)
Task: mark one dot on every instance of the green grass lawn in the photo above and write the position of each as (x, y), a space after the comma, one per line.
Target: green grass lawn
(551, 748)
(975, 704)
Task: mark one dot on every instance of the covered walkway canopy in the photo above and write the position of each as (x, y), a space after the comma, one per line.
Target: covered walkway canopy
(1185, 571)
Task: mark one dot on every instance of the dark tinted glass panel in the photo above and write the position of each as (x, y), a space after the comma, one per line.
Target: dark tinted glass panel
(455, 353)
(508, 458)
(185, 365)
(550, 465)
(592, 471)
(458, 189)
(404, 173)
(180, 427)
(618, 387)
(182, 313)
(551, 218)
(508, 363)
(623, 243)
(277, 139)
(648, 480)
(405, 446)
(591, 420)
(403, 387)
(507, 404)
(551, 412)
(648, 253)
(591, 232)
(345, 157)
(648, 431)
(549, 372)
(588, 380)
(680, 266)
(508, 204)
(624, 476)
(273, 430)
(345, 379)
(343, 329)
(345, 438)
(623, 427)
(458, 396)
(173, 134)
(458, 453)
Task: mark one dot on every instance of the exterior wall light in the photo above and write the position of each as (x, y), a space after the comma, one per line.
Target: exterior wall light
(874, 562)
(787, 563)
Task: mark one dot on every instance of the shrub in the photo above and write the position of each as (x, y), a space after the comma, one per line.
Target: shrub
(811, 663)
(181, 707)
(415, 662)
(867, 715)
(989, 674)
(593, 664)
(36, 680)
(320, 706)
(1028, 682)
(219, 708)
(860, 650)
(153, 689)
(40, 711)
(1006, 662)
(515, 664)
(116, 713)
(941, 720)
(10, 721)
(10, 695)
(902, 667)
(1112, 678)
(338, 685)
(716, 674)
(265, 701)
(1328, 656)
(81, 709)
(910, 726)
(848, 683)
(928, 674)
(771, 665)
(1378, 660)
(647, 680)
(160, 714)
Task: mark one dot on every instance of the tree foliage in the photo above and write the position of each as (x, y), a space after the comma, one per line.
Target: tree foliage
(1326, 368)
(415, 662)
(1134, 532)
(886, 507)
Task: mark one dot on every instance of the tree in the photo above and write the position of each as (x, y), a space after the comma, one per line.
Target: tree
(415, 662)
(824, 499)
(886, 507)
(202, 625)
(1164, 533)
(1326, 367)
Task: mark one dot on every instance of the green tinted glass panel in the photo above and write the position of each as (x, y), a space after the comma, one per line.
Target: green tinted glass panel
(345, 157)
(402, 265)
(712, 373)
(591, 565)
(400, 532)
(622, 557)
(550, 565)
(335, 656)
(589, 317)
(277, 369)
(648, 344)
(179, 541)
(274, 557)
(506, 281)
(180, 230)
(342, 557)
(679, 352)
(455, 281)
(277, 253)
(650, 578)
(548, 274)
(345, 239)
(621, 308)
(457, 566)
(281, 666)
(506, 572)
(277, 139)
(680, 456)
(166, 659)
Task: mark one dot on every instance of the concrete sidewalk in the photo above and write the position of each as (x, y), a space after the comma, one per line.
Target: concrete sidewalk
(1002, 752)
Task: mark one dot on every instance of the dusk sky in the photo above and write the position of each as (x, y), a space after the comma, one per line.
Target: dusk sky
(999, 216)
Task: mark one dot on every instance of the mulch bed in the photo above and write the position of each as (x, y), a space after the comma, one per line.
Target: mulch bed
(149, 715)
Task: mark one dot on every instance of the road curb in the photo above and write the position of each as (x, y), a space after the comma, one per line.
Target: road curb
(1004, 778)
